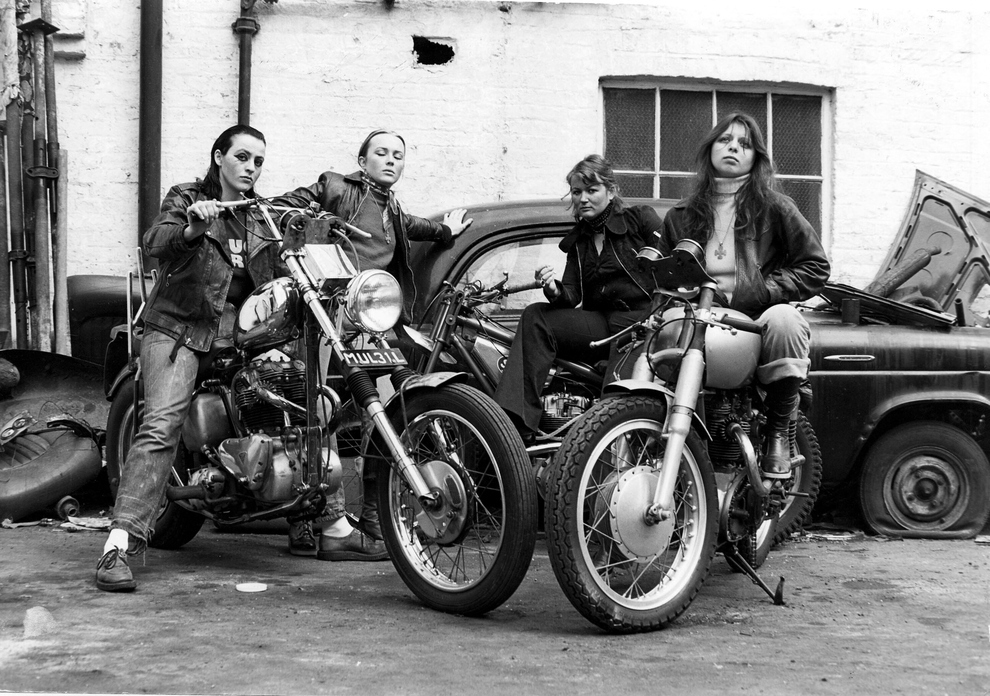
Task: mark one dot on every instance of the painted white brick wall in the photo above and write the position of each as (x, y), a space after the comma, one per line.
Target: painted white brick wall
(520, 102)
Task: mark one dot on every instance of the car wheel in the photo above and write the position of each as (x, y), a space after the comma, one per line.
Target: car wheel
(926, 479)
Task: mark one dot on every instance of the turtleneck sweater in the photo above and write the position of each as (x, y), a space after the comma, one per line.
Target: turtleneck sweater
(720, 252)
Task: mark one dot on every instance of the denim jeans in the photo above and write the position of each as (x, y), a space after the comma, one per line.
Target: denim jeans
(168, 390)
(786, 344)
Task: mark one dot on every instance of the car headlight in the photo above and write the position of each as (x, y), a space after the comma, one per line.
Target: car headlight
(374, 301)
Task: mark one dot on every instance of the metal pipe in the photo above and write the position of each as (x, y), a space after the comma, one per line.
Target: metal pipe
(41, 316)
(246, 26)
(150, 116)
(63, 343)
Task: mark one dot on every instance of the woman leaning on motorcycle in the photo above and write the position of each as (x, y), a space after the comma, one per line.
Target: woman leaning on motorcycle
(209, 262)
(365, 199)
(601, 274)
(762, 252)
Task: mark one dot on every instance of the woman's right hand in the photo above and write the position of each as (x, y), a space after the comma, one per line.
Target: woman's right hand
(544, 274)
(201, 215)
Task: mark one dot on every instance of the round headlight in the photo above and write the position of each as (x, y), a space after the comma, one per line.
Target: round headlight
(374, 301)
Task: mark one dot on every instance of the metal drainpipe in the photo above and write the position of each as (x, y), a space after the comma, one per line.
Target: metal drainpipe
(150, 117)
(246, 26)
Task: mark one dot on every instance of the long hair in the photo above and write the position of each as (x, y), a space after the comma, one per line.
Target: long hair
(593, 169)
(211, 182)
(751, 199)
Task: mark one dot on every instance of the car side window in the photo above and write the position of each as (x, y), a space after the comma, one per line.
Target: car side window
(519, 258)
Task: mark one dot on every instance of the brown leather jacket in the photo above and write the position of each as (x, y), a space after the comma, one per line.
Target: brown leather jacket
(779, 258)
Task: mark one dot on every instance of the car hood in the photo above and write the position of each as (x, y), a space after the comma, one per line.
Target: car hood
(953, 228)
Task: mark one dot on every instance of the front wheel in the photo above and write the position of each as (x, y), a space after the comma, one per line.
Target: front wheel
(925, 479)
(174, 526)
(471, 558)
(621, 573)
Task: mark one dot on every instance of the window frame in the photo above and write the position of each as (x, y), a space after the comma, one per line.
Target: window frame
(711, 87)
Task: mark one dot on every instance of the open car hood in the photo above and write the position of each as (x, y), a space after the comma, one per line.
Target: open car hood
(957, 223)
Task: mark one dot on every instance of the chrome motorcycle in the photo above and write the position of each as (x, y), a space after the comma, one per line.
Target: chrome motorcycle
(457, 503)
(664, 471)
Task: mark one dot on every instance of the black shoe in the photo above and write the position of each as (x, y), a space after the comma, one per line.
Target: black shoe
(302, 540)
(113, 574)
(356, 546)
(777, 461)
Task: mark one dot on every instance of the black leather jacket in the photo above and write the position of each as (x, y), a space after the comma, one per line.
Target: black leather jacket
(342, 195)
(190, 297)
(779, 258)
(629, 229)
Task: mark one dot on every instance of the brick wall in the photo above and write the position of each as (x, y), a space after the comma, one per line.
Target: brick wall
(518, 104)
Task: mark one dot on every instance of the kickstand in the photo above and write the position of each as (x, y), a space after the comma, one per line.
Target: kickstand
(732, 553)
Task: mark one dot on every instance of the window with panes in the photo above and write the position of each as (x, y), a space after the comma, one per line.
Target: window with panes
(652, 135)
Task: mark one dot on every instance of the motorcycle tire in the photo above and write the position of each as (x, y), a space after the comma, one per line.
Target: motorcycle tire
(619, 573)
(807, 480)
(480, 568)
(174, 526)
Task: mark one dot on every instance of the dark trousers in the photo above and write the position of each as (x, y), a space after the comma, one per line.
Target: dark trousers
(545, 334)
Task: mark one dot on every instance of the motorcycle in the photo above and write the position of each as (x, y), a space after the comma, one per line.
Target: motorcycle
(665, 471)
(465, 337)
(457, 505)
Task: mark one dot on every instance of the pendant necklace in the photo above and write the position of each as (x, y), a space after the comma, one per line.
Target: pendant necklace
(720, 249)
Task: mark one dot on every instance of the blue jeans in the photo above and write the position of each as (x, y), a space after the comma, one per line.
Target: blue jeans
(168, 390)
(786, 344)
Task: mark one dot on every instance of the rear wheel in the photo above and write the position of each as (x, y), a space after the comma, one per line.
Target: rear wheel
(174, 526)
(469, 555)
(623, 574)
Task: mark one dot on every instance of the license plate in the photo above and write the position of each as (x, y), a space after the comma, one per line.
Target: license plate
(373, 357)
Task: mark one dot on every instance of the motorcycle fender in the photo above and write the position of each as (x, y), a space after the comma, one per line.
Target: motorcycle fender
(433, 380)
(637, 386)
(127, 371)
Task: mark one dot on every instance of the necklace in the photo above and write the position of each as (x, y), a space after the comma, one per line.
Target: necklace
(720, 249)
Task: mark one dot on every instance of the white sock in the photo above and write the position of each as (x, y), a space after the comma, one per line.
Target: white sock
(118, 538)
(339, 528)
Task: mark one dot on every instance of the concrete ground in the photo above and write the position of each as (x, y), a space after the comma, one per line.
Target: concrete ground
(863, 615)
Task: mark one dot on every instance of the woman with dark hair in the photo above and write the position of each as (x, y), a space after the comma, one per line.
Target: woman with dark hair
(210, 260)
(601, 274)
(762, 252)
(365, 199)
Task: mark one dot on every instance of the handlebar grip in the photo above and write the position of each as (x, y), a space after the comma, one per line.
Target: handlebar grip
(531, 285)
(236, 204)
(355, 230)
(741, 324)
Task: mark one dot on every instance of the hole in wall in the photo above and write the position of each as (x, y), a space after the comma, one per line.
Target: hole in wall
(432, 51)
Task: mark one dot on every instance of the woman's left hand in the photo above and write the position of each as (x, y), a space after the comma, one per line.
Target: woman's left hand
(456, 222)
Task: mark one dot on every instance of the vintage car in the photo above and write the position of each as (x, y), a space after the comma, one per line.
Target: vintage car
(900, 372)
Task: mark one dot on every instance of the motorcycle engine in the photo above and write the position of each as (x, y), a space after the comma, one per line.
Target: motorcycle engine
(284, 379)
(559, 408)
(721, 409)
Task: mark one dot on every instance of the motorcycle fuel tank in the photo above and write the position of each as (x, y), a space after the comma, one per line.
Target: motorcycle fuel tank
(731, 356)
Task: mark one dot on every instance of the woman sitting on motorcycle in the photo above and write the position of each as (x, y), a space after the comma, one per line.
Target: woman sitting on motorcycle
(601, 275)
(762, 252)
(210, 261)
(365, 199)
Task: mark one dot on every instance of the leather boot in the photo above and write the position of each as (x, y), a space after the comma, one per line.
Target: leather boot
(781, 401)
(369, 522)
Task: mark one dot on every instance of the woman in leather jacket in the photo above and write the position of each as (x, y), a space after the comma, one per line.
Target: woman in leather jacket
(601, 275)
(210, 261)
(763, 253)
(366, 200)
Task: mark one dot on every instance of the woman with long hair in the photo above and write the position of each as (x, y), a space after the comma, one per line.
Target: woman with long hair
(763, 254)
(210, 260)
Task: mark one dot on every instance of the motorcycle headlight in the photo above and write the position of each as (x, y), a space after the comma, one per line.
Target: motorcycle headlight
(374, 301)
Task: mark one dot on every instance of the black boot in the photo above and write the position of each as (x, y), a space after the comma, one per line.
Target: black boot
(780, 403)
(369, 522)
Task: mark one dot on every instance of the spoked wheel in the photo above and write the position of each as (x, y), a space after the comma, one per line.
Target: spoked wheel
(622, 574)
(468, 555)
(175, 526)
